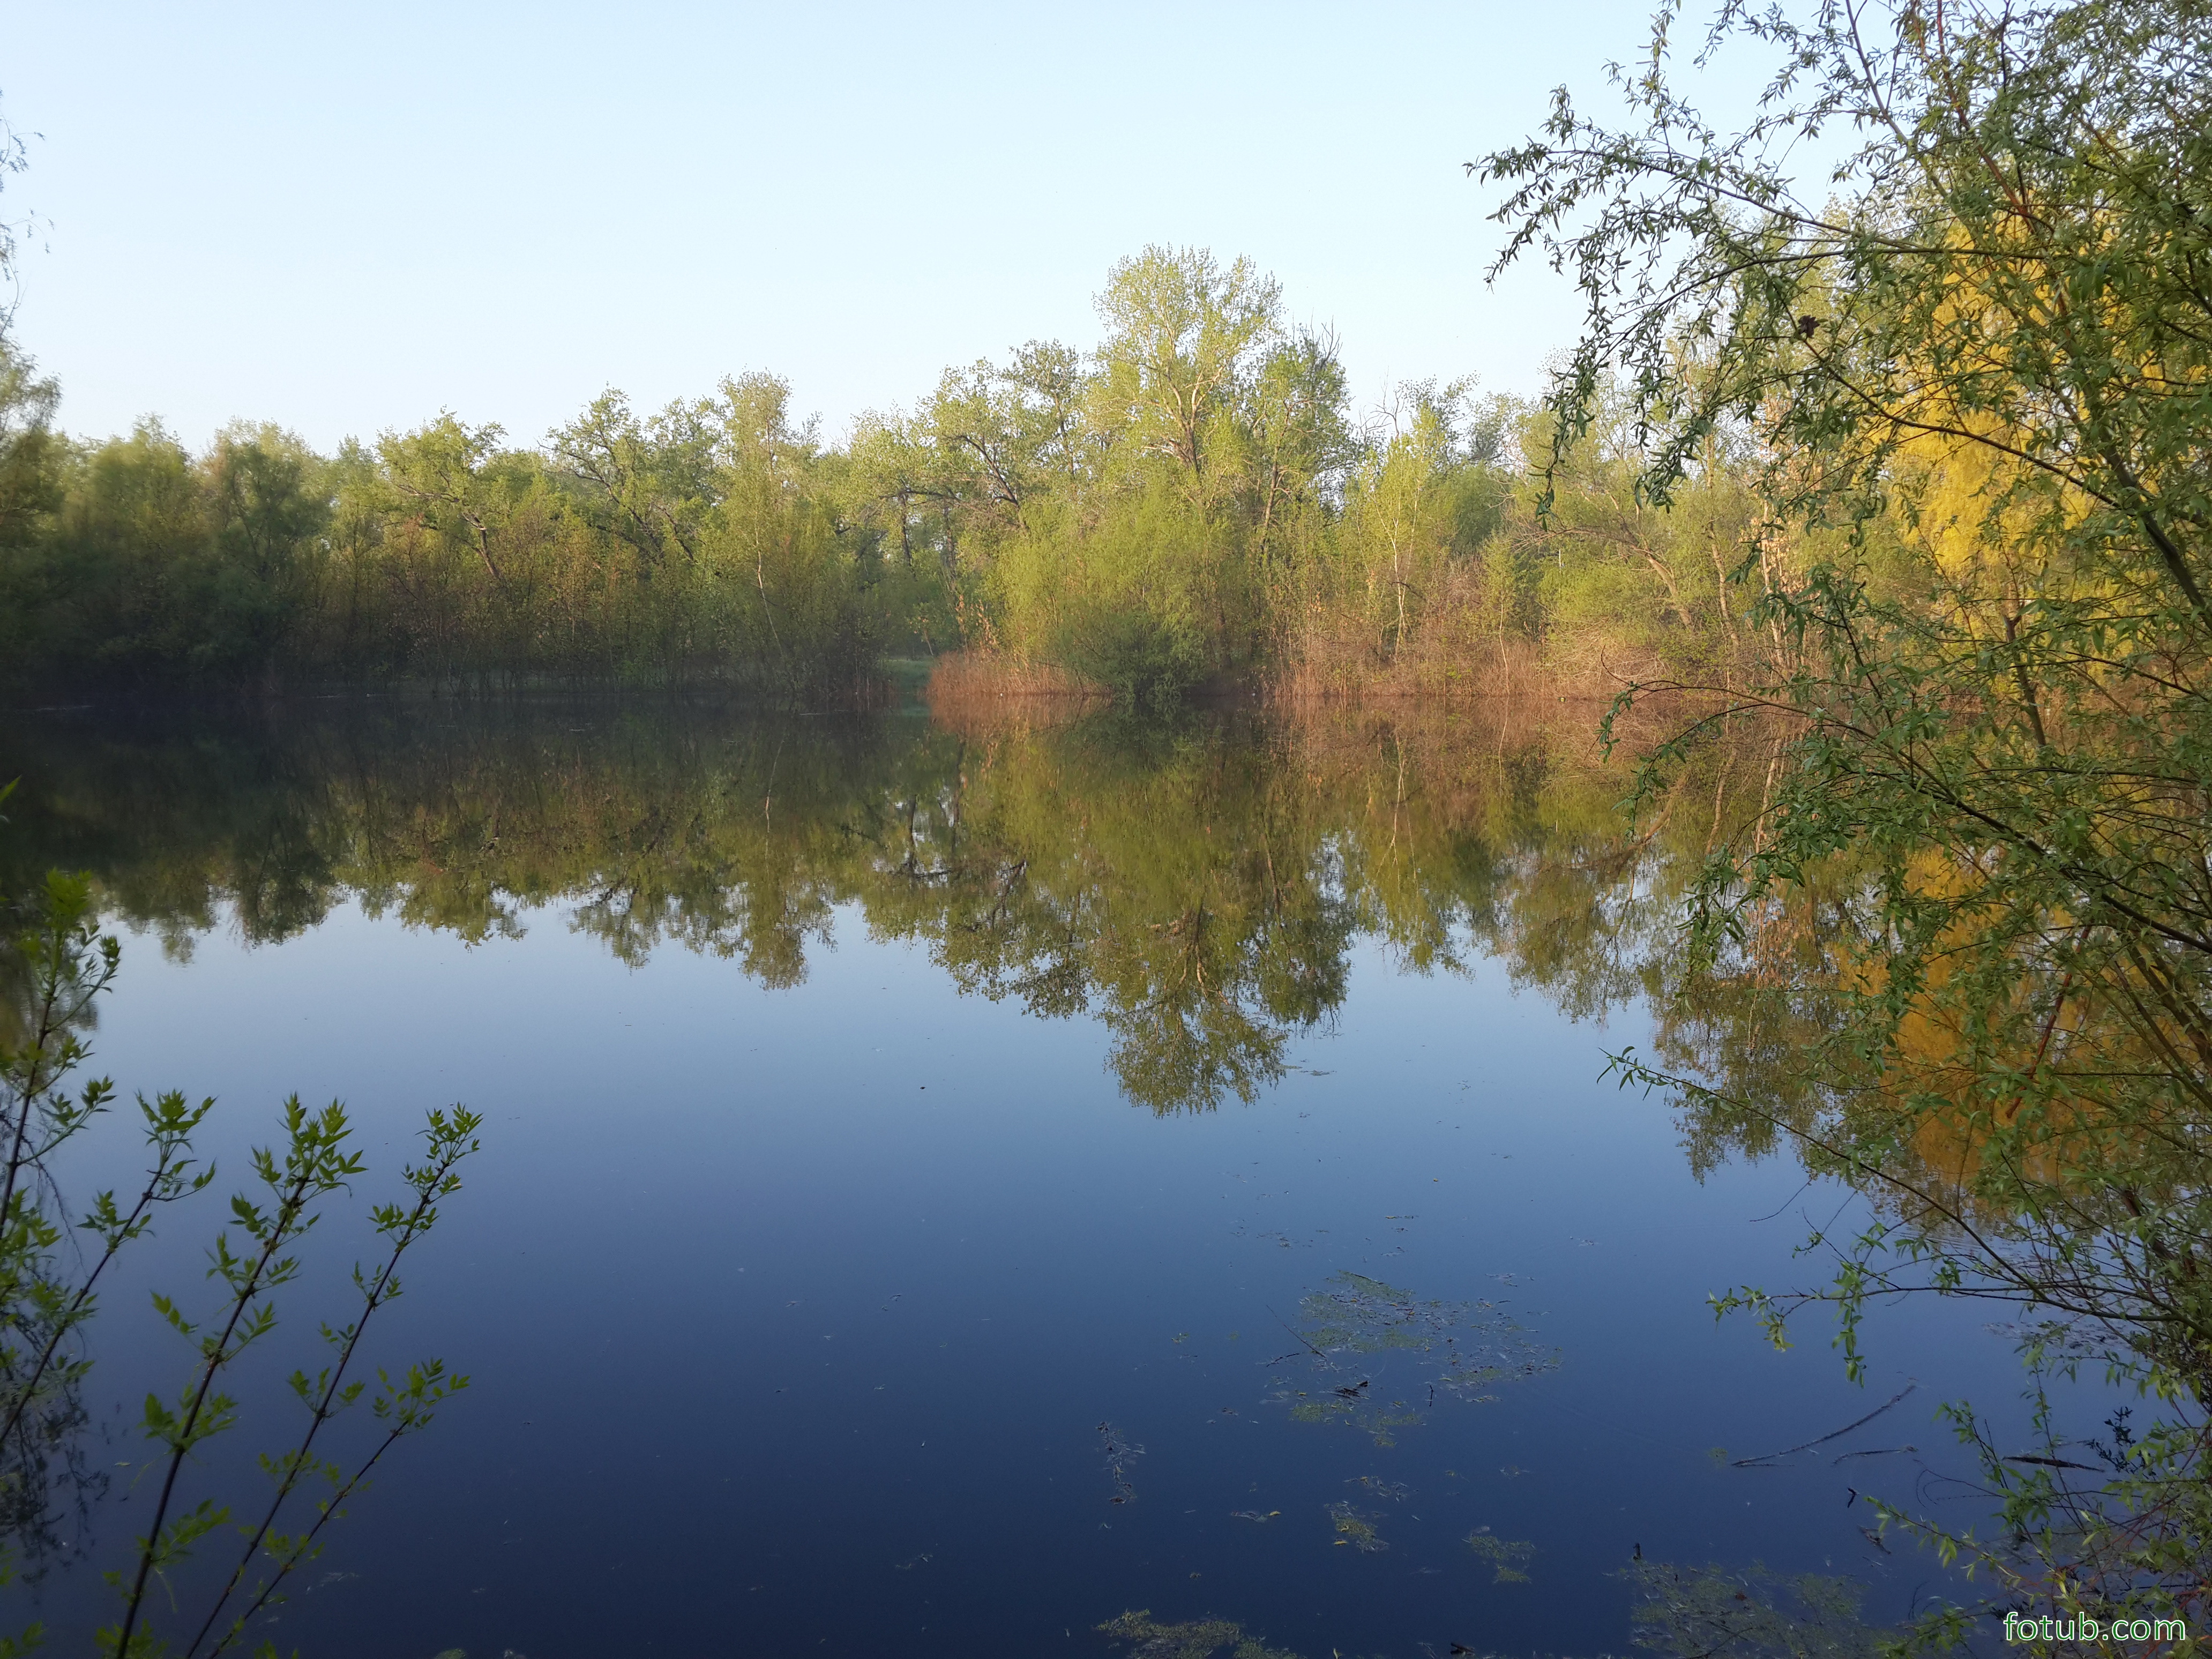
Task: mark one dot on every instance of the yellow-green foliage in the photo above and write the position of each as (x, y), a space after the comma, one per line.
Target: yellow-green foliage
(1138, 599)
(1190, 500)
(697, 544)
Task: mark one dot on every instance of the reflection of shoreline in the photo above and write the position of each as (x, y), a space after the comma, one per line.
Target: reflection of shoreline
(1195, 884)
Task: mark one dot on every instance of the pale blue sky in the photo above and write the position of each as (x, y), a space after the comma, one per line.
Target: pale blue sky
(343, 219)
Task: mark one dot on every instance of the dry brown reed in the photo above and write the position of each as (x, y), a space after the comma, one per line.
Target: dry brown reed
(1461, 649)
(1442, 736)
(1321, 668)
(992, 689)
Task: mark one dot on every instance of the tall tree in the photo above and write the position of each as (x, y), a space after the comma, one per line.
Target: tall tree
(1182, 335)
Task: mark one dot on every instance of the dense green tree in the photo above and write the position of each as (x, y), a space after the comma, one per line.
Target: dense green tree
(1184, 336)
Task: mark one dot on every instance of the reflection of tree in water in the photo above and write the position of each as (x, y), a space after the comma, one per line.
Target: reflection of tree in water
(47, 1478)
(1162, 886)
(1195, 889)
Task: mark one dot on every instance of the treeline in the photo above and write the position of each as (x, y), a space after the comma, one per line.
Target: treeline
(695, 543)
(1194, 500)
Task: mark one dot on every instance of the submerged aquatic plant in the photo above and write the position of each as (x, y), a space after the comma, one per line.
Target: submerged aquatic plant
(1509, 1556)
(1461, 1349)
(1357, 1528)
(1198, 1639)
(1713, 1613)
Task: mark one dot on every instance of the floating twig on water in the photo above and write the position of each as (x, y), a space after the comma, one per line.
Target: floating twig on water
(1770, 1457)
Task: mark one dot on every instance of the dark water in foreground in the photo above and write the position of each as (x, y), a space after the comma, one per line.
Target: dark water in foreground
(889, 1130)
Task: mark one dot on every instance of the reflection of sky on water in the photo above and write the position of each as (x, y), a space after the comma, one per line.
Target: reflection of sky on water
(831, 1318)
(795, 1314)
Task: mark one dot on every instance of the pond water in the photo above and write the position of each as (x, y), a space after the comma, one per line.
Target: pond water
(943, 1190)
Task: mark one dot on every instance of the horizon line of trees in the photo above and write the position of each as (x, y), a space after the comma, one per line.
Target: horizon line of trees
(1193, 500)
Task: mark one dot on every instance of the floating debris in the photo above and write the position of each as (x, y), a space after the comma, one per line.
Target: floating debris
(1461, 1348)
(909, 1566)
(1254, 1516)
(1120, 1454)
(1357, 1529)
(1196, 1640)
(1507, 1555)
(1396, 1491)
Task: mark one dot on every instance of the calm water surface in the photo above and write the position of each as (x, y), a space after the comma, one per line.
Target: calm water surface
(889, 1131)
